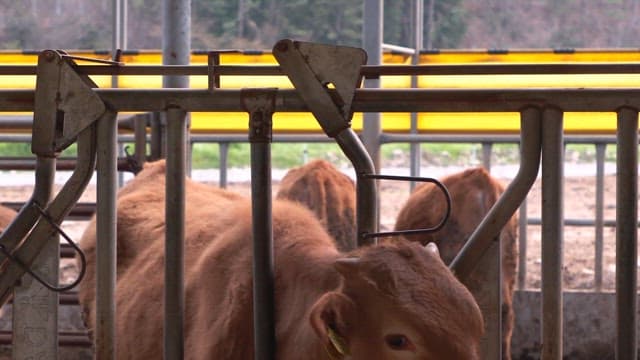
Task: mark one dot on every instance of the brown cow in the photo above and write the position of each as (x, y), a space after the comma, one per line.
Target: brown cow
(329, 193)
(147, 186)
(394, 300)
(473, 193)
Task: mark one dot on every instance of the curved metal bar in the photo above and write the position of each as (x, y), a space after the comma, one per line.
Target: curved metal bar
(28, 215)
(366, 192)
(530, 147)
(57, 209)
(435, 228)
(27, 269)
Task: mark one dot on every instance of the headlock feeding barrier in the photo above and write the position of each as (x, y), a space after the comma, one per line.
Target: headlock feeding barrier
(69, 107)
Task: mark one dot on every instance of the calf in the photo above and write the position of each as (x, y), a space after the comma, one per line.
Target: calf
(473, 193)
(394, 300)
(329, 193)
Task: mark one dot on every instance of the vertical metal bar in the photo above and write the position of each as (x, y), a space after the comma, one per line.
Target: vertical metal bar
(140, 137)
(156, 136)
(123, 24)
(224, 155)
(599, 223)
(522, 246)
(176, 50)
(107, 145)
(414, 151)
(627, 234)
(174, 245)
(116, 18)
(487, 147)
(35, 308)
(372, 44)
(260, 110)
(552, 222)
(176, 39)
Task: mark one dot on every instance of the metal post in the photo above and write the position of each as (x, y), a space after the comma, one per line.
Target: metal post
(599, 221)
(414, 153)
(486, 155)
(260, 106)
(522, 246)
(627, 234)
(552, 222)
(224, 155)
(140, 137)
(174, 245)
(106, 237)
(176, 50)
(372, 44)
(35, 308)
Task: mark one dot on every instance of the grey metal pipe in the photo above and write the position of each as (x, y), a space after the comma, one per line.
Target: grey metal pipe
(372, 44)
(140, 137)
(263, 263)
(176, 39)
(175, 232)
(414, 148)
(486, 155)
(552, 236)
(365, 100)
(599, 215)
(107, 174)
(224, 155)
(261, 216)
(29, 324)
(530, 125)
(522, 246)
(627, 234)
(366, 189)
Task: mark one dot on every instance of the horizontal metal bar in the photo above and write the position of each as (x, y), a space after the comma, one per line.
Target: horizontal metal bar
(367, 70)
(365, 100)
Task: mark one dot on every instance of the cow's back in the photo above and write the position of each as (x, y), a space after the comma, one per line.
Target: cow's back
(329, 193)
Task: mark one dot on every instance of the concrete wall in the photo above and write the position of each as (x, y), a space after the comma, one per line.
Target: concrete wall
(589, 325)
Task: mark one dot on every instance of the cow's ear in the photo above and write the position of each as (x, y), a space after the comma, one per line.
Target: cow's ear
(330, 320)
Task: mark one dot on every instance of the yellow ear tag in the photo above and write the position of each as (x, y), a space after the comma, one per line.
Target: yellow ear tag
(338, 342)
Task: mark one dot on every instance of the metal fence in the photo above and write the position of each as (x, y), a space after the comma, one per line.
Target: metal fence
(541, 142)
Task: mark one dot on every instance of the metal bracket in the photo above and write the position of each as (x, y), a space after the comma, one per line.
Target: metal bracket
(66, 110)
(64, 104)
(326, 77)
(260, 104)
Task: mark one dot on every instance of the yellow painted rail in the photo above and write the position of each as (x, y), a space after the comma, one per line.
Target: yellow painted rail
(583, 123)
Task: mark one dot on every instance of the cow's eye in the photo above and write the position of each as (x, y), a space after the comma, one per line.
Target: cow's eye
(399, 342)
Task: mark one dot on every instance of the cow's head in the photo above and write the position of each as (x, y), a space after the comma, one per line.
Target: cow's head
(398, 301)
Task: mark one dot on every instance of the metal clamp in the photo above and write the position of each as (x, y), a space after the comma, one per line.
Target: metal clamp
(260, 104)
(66, 111)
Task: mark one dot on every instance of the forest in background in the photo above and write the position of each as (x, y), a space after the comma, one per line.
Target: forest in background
(258, 24)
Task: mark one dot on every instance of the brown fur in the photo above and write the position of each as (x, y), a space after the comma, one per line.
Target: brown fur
(330, 194)
(6, 216)
(473, 193)
(396, 281)
(136, 223)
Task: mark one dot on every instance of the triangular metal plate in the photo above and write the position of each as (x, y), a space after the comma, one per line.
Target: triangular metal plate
(326, 77)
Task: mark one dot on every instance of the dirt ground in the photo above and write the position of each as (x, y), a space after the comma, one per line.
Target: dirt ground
(579, 242)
